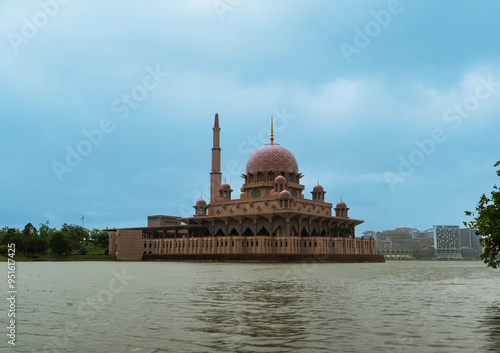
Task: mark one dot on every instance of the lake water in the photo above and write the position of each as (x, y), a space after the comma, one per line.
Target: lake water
(224, 307)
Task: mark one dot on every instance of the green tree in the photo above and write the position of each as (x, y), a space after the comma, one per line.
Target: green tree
(29, 230)
(76, 234)
(44, 231)
(103, 239)
(59, 243)
(486, 221)
(10, 233)
(40, 246)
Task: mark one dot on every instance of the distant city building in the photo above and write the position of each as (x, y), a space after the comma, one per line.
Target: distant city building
(423, 240)
(369, 234)
(395, 243)
(447, 241)
(469, 241)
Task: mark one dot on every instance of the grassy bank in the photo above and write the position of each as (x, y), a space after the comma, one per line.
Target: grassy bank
(20, 258)
(95, 253)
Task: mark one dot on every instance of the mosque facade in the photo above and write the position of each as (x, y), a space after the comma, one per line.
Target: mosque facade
(271, 220)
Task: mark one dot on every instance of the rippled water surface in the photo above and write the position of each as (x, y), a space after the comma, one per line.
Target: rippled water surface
(223, 307)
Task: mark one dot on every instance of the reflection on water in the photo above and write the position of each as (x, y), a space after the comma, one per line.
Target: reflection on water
(205, 307)
(491, 325)
(253, 316)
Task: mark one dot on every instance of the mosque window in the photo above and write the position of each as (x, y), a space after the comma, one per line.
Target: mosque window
(281, 187)
(256, 193)
(270, 176)
(201, 210)
(291, 177)
(251, 178)
(225, 193)
(286, 203)
(260, 176)
(343, 212)
(314, 196)
(281, 203)
(294, 193)
(276, 188)
(256, 243)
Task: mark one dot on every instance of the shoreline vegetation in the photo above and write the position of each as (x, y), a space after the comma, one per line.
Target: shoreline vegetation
(68, 243)
(56, 258)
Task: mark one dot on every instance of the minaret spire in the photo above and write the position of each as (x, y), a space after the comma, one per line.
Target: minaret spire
(272, 132)
(215, 175)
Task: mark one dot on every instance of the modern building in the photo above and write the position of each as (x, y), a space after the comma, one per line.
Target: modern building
(470, 246)
(395, 243)
(270, 220)
(447, 241)
(423, 241)
(369, 234)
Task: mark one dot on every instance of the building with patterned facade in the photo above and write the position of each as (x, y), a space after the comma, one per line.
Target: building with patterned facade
(270, 220)
(447, 241)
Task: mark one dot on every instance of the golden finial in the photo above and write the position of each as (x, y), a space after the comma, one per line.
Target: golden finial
(272, 133)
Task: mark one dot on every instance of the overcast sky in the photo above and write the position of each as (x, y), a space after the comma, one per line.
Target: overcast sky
(107, 106)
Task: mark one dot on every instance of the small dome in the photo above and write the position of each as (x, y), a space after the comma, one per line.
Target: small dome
(201, 203)
(280, 179)
(341, 204)
(318, 188)
(225, 186)
(285, 194)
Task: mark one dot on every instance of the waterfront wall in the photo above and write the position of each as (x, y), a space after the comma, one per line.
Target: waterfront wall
(132, 246)
(129, 245)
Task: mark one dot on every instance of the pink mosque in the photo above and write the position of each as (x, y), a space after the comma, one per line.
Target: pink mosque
(271, 221)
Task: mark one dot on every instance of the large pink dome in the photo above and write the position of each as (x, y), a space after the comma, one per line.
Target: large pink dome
(272, 157)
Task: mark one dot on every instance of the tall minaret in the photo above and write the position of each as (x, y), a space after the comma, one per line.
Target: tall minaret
(215, 175)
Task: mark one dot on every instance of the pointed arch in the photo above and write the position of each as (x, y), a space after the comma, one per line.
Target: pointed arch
(270, 176)
(263, 231)
(248, 232)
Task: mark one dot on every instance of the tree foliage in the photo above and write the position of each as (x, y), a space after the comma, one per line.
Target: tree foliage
(60, 244)
(486, 221)
(32, 241)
